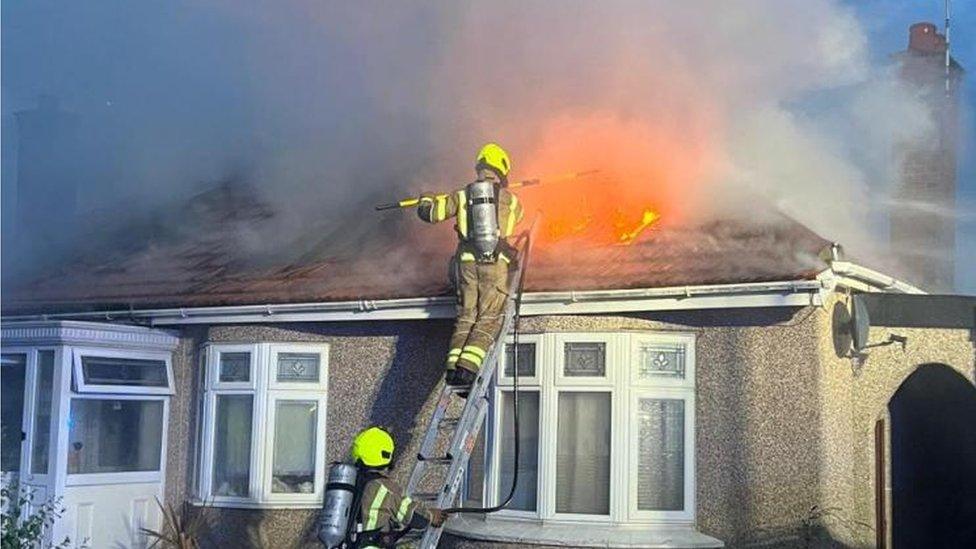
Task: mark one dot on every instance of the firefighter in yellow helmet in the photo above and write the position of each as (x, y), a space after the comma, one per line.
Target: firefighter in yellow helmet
(486, 214)
(384, 512)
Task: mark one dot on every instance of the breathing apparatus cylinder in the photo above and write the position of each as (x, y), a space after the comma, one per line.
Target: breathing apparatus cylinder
(337, 512)
(483, 218)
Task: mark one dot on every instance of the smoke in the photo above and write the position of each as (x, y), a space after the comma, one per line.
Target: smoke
(324, 109)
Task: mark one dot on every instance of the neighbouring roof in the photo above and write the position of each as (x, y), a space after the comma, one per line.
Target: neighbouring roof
(209, 266)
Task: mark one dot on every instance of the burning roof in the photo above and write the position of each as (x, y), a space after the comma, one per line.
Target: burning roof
(208, 266)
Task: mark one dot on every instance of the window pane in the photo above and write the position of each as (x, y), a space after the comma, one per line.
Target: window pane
(103, 370)
(526, 492)
(583, 453)
(660, 454)
(42, 411)
(12, 373)
(232, 446)
(114, 436)
(585, 359)
(474, 482)
(298, 367)
(235, 367)
(526, 360)
(661, 361)
(294, 447)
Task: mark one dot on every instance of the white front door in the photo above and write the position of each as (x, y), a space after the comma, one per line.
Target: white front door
(115, 468)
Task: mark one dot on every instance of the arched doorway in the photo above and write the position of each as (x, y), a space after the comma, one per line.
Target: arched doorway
(933, 460)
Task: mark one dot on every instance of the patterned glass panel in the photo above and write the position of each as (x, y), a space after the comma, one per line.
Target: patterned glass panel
(661, 454)
(526, 360)
(585, 359)
(661, 361)
(298, 367)
(235, 367)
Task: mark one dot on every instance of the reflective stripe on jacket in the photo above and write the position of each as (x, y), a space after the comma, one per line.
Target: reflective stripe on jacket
(385, 508)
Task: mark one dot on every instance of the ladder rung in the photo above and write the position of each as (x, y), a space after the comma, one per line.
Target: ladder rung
(449, 423)
(426, 496)
(435, 459)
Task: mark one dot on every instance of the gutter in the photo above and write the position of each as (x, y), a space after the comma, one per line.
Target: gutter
(856, 277)
(796, 293)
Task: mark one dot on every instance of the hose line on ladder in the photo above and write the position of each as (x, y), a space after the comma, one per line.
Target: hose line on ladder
(515, 384)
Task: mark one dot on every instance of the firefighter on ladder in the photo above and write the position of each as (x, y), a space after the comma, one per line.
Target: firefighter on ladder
(485, 214)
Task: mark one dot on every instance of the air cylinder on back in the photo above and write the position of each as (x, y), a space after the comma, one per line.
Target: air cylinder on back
(337, 512)
(483, 218)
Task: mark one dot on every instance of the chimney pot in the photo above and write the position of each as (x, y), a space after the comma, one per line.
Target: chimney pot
(925, 38)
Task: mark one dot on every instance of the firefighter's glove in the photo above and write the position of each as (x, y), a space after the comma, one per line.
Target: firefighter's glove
(437, 517)
(426, 206)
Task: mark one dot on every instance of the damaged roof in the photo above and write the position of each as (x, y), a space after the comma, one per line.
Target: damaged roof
(212, 265)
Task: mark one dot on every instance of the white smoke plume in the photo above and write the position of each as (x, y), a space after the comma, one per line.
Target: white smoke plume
(327, 107)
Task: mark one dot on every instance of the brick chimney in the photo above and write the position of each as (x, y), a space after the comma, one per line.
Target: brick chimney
(923, 216)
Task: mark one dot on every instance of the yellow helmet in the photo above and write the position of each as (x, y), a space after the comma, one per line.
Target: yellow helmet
(373, 447)
(495, 157)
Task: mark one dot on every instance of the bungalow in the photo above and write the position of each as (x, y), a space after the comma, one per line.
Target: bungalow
(703, 386)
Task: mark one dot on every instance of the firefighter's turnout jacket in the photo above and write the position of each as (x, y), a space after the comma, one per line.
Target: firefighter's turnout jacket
(384, 510)
(482, 285)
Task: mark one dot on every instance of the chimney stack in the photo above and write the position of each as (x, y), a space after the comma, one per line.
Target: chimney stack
(923, 216)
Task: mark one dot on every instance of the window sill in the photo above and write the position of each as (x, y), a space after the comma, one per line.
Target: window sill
(524, 532)
(257, 505)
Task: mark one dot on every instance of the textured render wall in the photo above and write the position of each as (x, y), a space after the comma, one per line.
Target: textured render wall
(865, 387)
(379, 373)
(783, 423)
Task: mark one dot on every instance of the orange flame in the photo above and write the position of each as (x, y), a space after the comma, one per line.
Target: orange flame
(649, 217)
(644, 173)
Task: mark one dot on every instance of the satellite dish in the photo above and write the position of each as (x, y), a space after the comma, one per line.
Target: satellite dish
(860, 323)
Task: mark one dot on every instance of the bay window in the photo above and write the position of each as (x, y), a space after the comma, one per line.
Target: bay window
(606, 430)
(262, 426)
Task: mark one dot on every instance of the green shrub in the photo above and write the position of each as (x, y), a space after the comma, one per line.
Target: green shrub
(24, 523)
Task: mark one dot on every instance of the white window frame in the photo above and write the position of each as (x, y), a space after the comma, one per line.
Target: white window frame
(625, 389)
(82, 386)
(266, 392)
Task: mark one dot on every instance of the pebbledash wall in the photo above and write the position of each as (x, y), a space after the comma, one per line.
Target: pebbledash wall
(783, 424)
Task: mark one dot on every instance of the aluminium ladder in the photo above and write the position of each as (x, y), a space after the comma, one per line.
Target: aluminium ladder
(463, 430)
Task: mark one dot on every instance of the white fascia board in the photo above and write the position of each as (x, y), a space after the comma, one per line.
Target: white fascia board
(797, 293)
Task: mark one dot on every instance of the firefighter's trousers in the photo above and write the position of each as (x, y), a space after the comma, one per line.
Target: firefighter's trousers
(482, 290)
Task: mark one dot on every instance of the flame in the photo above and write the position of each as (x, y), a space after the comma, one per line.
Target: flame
(650, 216)
(635, 171)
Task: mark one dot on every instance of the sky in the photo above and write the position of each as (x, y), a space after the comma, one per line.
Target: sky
(327, 108)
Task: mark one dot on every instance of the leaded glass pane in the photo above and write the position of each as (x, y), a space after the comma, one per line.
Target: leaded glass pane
(235, 367)
(658, 361)
(526, 360)
(661, 454)
(298, 367)
(585, 359)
